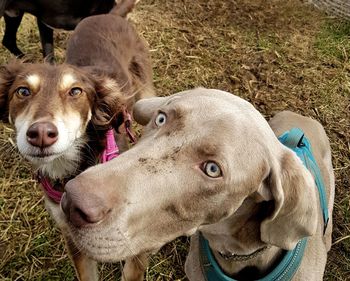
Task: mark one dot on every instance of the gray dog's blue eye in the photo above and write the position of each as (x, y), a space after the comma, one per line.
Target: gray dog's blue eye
(211, 169)
(160, 119)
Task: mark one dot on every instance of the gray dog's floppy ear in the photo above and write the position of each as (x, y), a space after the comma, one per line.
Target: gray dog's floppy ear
(145, 108)
(295, 213)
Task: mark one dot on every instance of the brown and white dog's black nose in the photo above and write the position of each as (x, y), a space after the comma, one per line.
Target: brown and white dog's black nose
(81, 207)
(42, 134)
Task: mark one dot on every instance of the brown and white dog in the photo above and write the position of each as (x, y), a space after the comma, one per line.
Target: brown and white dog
(208, 161)
(61, 113)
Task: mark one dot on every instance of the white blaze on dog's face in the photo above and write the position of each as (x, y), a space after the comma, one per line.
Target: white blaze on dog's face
(54, 101)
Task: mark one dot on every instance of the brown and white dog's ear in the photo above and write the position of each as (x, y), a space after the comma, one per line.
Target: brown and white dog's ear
(109, 102)
(145, 108)
(294, 194)
(7, 76)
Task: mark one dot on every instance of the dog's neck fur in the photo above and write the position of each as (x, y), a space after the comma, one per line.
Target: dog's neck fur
(240, 235)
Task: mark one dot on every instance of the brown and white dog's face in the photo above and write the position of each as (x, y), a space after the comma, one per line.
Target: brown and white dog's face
(50, 107)
(202, 155)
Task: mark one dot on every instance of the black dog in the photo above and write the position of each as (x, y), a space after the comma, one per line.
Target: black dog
(64, 14)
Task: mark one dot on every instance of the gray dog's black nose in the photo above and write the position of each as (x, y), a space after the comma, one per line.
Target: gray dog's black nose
(82, 208)
(42, 134)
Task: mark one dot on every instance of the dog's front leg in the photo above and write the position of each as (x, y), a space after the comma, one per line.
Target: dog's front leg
(135, 267)
(85, 267)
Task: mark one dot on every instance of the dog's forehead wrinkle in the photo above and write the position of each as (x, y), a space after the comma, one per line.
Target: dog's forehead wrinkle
(208, 149)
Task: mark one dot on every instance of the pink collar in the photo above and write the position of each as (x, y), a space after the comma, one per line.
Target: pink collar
(111, 151)
(53, 194)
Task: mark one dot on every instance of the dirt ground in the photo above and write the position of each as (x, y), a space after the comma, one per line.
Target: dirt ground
(277, 54)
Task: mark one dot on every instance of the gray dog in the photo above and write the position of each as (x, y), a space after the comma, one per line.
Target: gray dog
(210, 166)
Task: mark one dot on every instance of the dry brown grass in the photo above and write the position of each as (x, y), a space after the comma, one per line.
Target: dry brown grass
(277, 54)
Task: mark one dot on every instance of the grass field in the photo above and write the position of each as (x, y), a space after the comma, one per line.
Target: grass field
(278, 54)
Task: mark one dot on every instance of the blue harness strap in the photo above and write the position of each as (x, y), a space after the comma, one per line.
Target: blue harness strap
(296, 140)
(285, 270)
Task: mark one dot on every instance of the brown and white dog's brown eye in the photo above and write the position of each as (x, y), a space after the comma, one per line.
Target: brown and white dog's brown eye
(23, 92)
(75, 91)
(211, 169)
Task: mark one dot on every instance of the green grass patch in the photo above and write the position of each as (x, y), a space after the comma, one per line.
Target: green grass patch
(333, 40)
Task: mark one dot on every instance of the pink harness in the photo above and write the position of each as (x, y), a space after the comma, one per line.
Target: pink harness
(111, 151)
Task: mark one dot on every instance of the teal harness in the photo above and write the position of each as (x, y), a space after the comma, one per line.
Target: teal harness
(285, 270)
